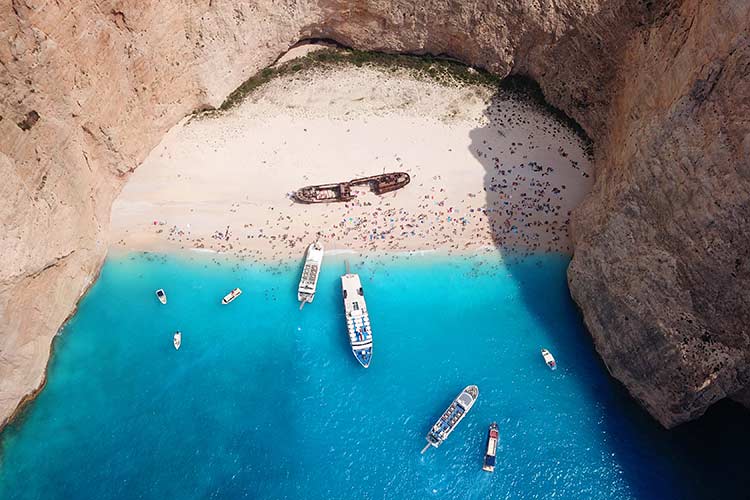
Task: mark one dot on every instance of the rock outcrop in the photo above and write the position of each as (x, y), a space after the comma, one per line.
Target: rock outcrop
(661, 265)
(662, 261)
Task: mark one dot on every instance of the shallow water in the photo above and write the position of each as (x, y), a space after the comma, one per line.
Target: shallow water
(265, 401)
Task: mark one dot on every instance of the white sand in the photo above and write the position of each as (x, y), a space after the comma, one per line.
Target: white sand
(236, 171)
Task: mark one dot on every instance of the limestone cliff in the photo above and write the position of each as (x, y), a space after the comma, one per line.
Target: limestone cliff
(661, 263)
(662, 260)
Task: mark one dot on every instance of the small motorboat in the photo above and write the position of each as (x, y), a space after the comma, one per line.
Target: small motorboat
(549, 359)
(493, 438)
(231, 296)
(161, 296)
(177, 340)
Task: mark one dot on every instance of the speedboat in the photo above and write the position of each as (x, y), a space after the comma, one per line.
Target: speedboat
(161, 296)
(452, 416)
(177, 340)
(231, 296)
(493, 438)
(549, 359)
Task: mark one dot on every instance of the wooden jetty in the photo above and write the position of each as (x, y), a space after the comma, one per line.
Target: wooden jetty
(342, 191)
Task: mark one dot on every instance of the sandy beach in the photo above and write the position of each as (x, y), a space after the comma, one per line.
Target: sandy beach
(488, 170)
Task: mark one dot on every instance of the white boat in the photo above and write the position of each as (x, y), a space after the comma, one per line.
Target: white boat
(549, 359)
(161, 296)
(493, 437)
(357, 319)
(231, 296)
(177, 340)
(310, 272)
(452, 416)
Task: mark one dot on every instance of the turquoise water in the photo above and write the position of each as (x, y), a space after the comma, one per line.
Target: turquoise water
(265, 401)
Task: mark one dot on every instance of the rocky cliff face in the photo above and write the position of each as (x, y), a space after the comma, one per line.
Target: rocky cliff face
(662, 261)
(661, 265)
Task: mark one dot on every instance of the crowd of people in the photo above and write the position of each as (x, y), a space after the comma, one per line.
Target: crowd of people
(521, 206)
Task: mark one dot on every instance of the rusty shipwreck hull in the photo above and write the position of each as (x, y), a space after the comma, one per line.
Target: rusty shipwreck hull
(342, 191)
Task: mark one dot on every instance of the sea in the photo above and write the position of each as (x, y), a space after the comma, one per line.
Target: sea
(264, 401)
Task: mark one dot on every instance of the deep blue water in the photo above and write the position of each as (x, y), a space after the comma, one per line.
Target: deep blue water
(265, 401)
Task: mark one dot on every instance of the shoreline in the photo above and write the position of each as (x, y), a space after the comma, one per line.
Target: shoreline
(29, 398)
(445, 135)
(488, 169)
(117, 253)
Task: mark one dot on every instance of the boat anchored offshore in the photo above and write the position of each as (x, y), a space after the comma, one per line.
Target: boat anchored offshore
(161, 296)
(231, 296)
(493, 438)
(177, 340)
(549, 359)
(309, 280)
(357, 319)
(452, 416)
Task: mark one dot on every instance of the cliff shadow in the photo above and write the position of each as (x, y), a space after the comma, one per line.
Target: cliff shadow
(537, 168)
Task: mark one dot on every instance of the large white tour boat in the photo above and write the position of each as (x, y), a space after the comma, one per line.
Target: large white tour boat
(310, 272)
(357, 319)
(451, 417)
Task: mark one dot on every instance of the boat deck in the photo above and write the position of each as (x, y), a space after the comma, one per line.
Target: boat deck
(309, 276)
(357, 320)
(308, 282)
(449, 419)
(452, 416)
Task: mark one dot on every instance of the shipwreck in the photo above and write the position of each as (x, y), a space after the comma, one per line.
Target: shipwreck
(342, 191)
